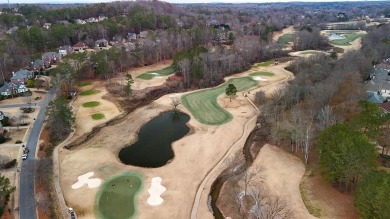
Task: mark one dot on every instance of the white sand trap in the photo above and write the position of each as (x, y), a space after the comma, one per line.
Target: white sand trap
(258, 78)
(155, 191)
(154, 73)
(85, 179)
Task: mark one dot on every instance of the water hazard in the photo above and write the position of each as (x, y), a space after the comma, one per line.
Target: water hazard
(154, 145)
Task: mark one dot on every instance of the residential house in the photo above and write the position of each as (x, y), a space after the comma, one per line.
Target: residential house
(65, 50)
(12, 30)
(143, 34)
(101, 43)
(91, 20)
(102, 18)
(385, 107)
(38, 65)
(51, 57)
(1, 115)
(131, 36)
(379, 82)
(79, 21)
(80, 46)
(10, 89)
(64, 22)
(47, 25)
(375, 97)
(21, 76)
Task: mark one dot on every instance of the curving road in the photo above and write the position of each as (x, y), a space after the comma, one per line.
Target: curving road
(27, 207)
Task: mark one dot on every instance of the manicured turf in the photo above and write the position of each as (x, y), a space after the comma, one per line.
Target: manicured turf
(262, 73)
(97, 116)
(263, 64)
(83, 84)
(151, 74)
(347, 40)
(117, 197)
(203, 104)
(89, 92)
(91, 104)
(286, 38)
(342, 31)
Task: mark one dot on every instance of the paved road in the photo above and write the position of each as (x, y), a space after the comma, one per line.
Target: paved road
(27, 205)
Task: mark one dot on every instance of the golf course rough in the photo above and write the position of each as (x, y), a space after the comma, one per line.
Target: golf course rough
(117, 196)
(203, 104)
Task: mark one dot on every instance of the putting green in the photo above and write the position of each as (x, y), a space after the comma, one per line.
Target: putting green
(286, 38)
(116, 198)
(159, 73)
(263, 64)
(203, 104)
(262, 73)
(349, 37)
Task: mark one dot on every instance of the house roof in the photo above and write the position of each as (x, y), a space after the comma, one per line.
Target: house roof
(385, 106)
(51, 54)
(4, 87)
(65, 47)
(21, 74)
(374, 97)
(79, 44)
(101, 41)
(38, 62)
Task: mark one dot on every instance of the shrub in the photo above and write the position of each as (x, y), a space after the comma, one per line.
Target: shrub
(18, 142)
(5, 121)
(2, 139)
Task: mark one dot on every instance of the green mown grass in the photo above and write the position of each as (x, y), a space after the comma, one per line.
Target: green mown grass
(263, 64)
(286, 38)
(203, 104)
(97, 116)
(117, 197)
(348, 39)
(152, 74)
(262, 73)
(91, 104)
(83, 84)
(89, 92)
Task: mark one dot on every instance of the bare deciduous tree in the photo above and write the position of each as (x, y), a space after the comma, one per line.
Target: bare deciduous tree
(175, 101)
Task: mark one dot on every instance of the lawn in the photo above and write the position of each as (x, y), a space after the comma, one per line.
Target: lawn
(263, 64)
(117, 197)
(203, 104)
(350, 37)
(83, 83)
(97, 116)
(286, 38)
(91, 104)
(262, 73)
(159, 73)
(89, 92)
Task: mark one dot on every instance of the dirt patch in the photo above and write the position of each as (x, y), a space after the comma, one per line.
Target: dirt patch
(332, 203)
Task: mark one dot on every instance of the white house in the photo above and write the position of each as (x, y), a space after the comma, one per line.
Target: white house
(47, 25)
(65, 50)
(11, 88)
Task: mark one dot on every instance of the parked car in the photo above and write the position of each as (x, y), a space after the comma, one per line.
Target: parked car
(24, 157)
(71, 212)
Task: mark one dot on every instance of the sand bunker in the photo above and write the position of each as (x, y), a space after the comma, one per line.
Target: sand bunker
(258, 78)
(85, 179)
(155, 191)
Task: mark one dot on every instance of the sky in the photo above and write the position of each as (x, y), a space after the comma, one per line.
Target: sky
(171, 1)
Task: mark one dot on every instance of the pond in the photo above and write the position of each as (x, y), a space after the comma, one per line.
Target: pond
(154, 145)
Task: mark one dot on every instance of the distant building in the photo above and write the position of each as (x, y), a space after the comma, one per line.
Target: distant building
(12, 30)
(47, 25)
(51, 57)
(143, 34)
(101, 43)
(38, 65)
(80, 46)
(65, 50)
(79, 21)
(102, 18)
(1, 115)
(131, 36)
